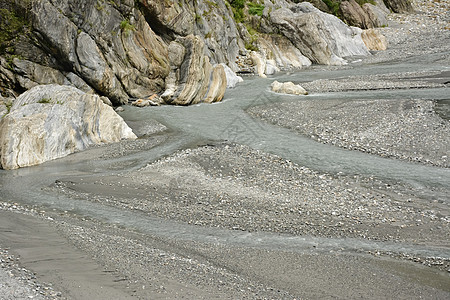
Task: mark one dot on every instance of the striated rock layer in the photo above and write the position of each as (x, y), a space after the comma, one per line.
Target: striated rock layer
(52, 121)
(130, 49)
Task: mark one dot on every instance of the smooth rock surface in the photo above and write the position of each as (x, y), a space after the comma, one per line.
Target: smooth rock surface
(288, 88)
(355, 15)
(232, 78)
(319, 36)
(52, 121)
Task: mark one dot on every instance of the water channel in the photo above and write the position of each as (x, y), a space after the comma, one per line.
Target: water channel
(228, 121)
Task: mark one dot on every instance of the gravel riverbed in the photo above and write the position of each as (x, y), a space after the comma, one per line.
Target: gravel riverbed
(401, 129)
(241, 192)
(408, 129)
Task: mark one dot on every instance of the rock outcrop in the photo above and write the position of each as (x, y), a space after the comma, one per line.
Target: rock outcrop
(288, 88)
(364, 16)
(52, 121)
(321, 37)
(231, 77)
(192, 78)
(399, 6)
(131, 49)
(355, 15)
(377, 14)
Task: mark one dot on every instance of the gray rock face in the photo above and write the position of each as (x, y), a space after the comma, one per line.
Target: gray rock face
(133, 49)
(52, 121)
(365, 16)
(192, 78)
(211, 20)
(94, 45)
(321, 37)
(355, 15)
(377, 14)
(399, 6)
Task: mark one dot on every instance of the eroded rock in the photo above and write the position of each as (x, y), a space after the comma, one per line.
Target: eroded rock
(374, 40)
(399, 6)
(321, 37)
(193, 79)
(52, 121)
(288, 88)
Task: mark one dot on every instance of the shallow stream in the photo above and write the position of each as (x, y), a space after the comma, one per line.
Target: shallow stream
(228, 121)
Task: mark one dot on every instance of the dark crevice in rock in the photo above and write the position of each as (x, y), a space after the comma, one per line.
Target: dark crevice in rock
(156, 25)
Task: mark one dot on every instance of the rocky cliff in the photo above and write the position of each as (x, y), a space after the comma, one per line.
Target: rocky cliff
(184, 52)
(121, 48)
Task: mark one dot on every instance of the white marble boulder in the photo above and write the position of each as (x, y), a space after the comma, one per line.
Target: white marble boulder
(52, 121)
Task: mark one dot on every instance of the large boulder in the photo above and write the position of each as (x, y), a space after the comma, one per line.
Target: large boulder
(281, 53)
(288, 88)
(52, 121)
(365, 16)
(259, 63)
(377, 14)
(321, 37)
(213, 21)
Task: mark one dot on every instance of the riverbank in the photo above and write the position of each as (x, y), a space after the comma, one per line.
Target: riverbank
(226, 221)
(211, 212)
(407, 129)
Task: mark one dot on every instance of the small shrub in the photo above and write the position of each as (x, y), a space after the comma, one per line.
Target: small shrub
(333, 6)
(255, 9)
(126, 26)
(237, 6)
(251, 47)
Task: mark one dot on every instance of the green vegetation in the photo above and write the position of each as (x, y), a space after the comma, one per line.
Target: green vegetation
(333, 6)
(212, 4)
(237, 7)
(242, 11)
(126, 26)
(250, 45)
(45, 100)
(12, 26)
(361, 2)
(8, 107)
(255, 9)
